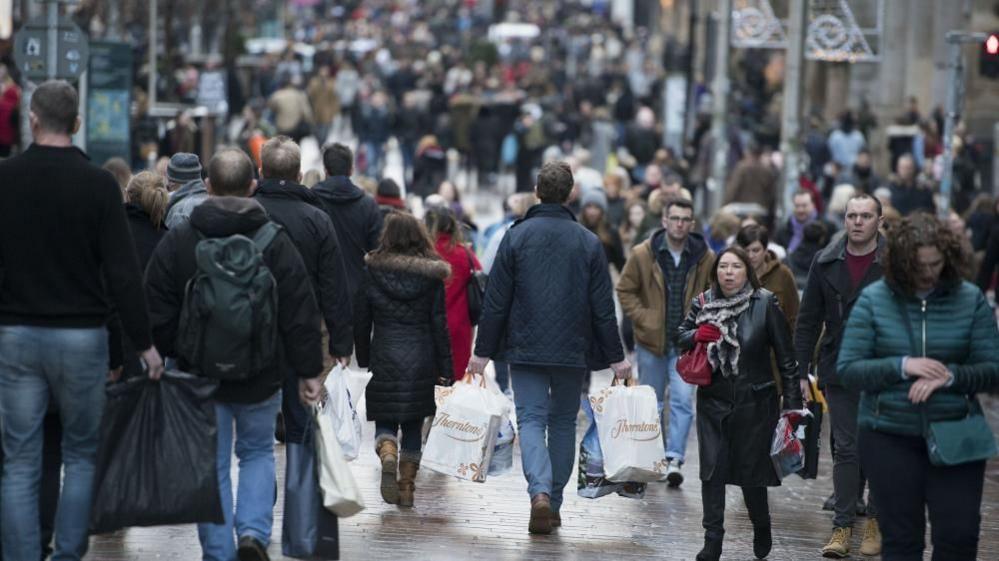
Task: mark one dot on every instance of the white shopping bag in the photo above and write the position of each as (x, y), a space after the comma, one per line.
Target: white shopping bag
(464, 430)
(341, 495)
(630, 433)
(340, 406)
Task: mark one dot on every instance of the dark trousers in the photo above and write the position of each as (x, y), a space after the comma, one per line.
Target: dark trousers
(48, 493)
(412, 433)
(713, 502)
(907, 485)
(847, 477)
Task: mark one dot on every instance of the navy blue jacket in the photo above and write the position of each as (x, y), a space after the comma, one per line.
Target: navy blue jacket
(549, 298)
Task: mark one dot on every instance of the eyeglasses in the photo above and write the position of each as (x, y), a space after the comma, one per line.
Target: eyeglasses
(680, 219)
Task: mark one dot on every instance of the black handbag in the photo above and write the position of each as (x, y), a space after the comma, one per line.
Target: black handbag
(476, 289)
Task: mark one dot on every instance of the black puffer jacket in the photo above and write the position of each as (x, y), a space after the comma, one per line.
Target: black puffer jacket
(357, 221)
(549, 300)
(737, 415)
(173, 264)
(402, 299)
(301, 213)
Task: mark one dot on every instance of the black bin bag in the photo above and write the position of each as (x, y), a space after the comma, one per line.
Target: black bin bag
(157, 456)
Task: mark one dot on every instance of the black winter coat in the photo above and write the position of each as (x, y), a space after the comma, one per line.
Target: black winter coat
(146, 237)
(302, 215)
(173, 264)
(737, 415)
(825, 305)
(401, 298)
(357, 221)
(549, 300)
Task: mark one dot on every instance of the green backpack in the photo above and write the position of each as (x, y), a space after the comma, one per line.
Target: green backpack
(228, 320)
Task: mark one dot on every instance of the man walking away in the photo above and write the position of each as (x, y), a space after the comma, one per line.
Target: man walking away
(850, 262)
(66, 257)
(549, 313)
(187, 190)
(354, 213)
(248, 397)
(660, 280)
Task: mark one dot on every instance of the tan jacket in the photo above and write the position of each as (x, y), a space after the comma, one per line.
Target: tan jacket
(779, 279)
(290, 107)
(642, 290)
(324, 99)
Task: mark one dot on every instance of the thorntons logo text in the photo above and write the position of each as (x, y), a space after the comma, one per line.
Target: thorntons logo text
(636, 431)
(444, 420)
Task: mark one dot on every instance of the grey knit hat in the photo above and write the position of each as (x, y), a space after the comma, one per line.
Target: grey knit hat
(183, 168)
(594, 196)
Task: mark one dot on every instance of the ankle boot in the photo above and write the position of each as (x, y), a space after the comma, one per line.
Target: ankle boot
(388, 453)
(409, 464)
(712, 550)
(762, 541)
(541, 514)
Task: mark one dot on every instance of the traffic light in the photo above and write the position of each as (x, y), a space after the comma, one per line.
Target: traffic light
(988, 57)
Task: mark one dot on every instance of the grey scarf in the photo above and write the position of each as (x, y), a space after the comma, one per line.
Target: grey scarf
(724, 313)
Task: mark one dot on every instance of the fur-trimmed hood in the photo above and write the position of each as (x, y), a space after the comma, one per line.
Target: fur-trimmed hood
(406, 277)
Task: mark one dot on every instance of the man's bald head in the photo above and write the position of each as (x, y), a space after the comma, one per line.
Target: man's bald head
(230, 174)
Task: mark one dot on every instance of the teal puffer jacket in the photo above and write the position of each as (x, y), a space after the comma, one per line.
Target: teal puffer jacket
(953, 325)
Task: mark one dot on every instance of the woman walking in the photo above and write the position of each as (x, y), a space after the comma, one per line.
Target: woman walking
(737, 412)
(449, 243)
(920, 344)
(401, 299)
(773, 275)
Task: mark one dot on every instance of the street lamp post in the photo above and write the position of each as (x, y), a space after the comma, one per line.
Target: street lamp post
(955, 103)
(719, 91)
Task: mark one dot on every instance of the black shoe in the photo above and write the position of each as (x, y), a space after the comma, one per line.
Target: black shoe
(712, 550)
(861, 508)
(251, 550)
(830, 503)
(762, 542)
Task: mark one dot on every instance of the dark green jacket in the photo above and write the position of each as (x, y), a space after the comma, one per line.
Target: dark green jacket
(953, 325)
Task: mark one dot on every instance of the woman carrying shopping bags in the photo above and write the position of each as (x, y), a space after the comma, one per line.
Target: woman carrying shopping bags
(741, 323)
(401, 300)
(918, 345)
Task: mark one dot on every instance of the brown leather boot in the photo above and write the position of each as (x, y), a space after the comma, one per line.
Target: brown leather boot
(541, 514)
(388, 453)
(409, 464)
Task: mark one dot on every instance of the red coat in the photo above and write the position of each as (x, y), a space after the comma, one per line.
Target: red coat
(456, 299)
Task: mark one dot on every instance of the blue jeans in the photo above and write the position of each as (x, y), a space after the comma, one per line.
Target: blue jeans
(257, 488)
(502, 374)
(658, 371)
(547, 400)
(72, 364)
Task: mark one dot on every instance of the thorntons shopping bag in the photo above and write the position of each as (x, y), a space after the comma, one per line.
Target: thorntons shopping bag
(464, 431)
(630, 433)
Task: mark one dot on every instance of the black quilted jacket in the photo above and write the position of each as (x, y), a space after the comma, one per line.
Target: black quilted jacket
(549, 299)
(400, 333)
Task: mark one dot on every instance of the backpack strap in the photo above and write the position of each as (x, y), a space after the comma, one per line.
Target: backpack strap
(265, 235)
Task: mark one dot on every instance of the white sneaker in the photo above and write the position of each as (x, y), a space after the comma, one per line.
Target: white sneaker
(673, 476)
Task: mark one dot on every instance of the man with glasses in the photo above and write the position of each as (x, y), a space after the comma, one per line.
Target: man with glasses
(660, 280)
(850, 262)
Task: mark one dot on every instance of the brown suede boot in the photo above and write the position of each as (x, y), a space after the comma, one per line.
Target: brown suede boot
(409, 464)
(388, 452)
(541, 514)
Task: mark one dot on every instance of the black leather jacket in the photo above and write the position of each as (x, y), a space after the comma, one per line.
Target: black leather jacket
(738, 414)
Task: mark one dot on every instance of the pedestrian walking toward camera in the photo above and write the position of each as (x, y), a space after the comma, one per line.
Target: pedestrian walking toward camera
(230, 232)
(66, 256)
(549, 313)
(659, 281)
(852, 261)
(401, 301)
(919, 345)
(737, 413)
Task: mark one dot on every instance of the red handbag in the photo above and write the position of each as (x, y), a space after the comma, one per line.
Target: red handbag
(693, 365)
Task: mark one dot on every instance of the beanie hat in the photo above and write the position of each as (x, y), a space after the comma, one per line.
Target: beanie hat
(389, 188)
(595, 196)
(183, 168)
